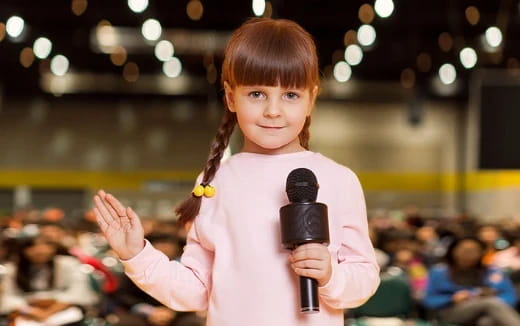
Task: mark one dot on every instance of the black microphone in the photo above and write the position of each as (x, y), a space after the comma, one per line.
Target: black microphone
(304, 221)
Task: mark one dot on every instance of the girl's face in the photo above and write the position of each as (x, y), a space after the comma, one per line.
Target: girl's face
(270, 118)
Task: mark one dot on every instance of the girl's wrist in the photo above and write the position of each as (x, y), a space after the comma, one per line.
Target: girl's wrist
(131, 252)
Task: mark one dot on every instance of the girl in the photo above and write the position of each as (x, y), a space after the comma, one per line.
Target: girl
(234, 265)
(466, 292)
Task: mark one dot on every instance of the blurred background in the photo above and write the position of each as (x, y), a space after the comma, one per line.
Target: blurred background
(420, 98)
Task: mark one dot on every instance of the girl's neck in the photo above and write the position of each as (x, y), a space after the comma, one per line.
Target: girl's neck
(250, 147)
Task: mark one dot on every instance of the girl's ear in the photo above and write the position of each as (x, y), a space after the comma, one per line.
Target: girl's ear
(229, 97)
(314, 94)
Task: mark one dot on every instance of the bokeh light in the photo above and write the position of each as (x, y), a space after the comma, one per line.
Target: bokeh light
(59, 65)
(42, 47)
(342, 71)
(118, 56)
(78, 7)
(15, 26)
(131, 72)
(384, 8)
(447, 74)
(258, 7)
(26, 57)
(472, 15)
(493, 36)
(468, 58)
(138, 6)
(366, 13)
(366, 35)
(353, 54)
(173, 67)
(194, 9)
(151, 29)
(164, 50)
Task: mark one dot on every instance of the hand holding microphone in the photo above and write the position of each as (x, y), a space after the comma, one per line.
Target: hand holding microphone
(304, 228)
(312, 260)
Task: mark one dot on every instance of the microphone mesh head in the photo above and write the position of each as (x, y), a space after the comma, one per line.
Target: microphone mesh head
(301, 186)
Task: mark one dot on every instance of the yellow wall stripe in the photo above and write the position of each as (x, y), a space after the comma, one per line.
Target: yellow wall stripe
(371, 181)
(90, 180)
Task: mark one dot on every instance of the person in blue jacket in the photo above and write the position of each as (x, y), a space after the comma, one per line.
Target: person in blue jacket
(466, 292)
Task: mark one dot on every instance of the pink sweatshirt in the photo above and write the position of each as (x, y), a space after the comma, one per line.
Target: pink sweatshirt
(234, 265)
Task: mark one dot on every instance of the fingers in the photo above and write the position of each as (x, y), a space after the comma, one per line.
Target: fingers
(133, 217)
(111, 208)
(116, 205)
(102, 209)
(312, 260)
(100, 220)
(312, 273)
(310, 251)
(309, 264)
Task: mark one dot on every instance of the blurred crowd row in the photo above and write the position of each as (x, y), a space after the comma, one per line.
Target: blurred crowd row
(56, 270)
(453, 270)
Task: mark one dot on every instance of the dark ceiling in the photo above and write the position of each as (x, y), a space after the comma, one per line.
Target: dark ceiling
(414, 27)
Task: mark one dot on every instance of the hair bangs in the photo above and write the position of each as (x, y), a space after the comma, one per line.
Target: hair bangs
(270, 70)
(278, 60)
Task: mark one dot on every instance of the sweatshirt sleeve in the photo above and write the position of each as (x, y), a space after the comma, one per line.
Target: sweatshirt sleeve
(438, 292)
(355, 273)
(505, 288)
(182, 286)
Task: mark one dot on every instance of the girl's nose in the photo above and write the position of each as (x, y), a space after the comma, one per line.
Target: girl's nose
(272, 109)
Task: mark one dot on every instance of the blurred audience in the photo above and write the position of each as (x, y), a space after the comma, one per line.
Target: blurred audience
(133, 307)
(467, 292)
(41, 287)
(56, 265)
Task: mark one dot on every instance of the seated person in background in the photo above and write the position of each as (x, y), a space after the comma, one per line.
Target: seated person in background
(415, 271)
(42, 288)
(509, 259)
(431, 246)
(466, 292)
(489, 234)
(133, 307)
(57, 232)
(382, 258)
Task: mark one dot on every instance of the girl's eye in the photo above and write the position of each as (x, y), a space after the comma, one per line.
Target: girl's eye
(256, 94)
(292, 96)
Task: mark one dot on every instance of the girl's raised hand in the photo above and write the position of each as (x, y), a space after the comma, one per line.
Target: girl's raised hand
(120, 225)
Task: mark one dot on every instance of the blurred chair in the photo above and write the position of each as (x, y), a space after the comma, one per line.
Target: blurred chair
(392, 299)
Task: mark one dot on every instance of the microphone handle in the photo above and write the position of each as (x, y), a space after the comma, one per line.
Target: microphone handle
(309, 295)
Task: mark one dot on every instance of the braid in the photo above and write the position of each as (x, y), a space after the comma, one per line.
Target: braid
(220, 143)
(189, 208)
(305, 134)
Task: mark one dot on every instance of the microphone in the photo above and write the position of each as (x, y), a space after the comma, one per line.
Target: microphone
(304, 221)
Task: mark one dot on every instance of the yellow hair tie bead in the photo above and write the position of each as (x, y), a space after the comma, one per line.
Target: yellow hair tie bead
(198, 191)
(209, 191)
(206, 191)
